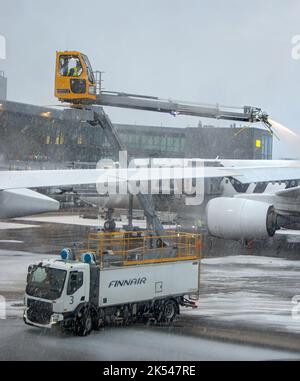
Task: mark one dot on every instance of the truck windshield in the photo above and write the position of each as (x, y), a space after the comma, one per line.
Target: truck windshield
(45, 282)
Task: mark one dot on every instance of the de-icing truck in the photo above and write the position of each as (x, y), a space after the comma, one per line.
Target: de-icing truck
(121, 277)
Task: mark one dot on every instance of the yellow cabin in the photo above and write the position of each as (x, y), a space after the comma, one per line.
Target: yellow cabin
(74, 78)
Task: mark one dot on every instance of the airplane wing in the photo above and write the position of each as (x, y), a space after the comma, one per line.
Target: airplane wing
(52, 178)
(245, 171)
(254, 171)
(248, 175)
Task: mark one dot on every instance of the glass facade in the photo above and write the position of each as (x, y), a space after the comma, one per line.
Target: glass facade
(267, 147)
(45, 139)
(152, 142)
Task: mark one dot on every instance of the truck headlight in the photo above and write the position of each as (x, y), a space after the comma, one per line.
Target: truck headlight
(92, 90)
(54, 318)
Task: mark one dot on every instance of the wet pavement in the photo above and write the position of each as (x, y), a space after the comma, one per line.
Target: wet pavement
(20, 342)
(251, 291)
(42, 238)
(243, 298)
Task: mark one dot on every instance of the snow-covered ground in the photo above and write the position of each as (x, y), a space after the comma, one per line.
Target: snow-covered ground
(134, 343)
(71, 220)
(13, 271)
(78, 220)
(10, 241)
(240, 289)
(249, 291)
(12, 225)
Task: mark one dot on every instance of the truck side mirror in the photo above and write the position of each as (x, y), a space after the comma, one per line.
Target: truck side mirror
(29, 271)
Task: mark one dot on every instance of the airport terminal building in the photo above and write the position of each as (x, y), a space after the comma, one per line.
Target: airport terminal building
(42, 136)
(206, 142)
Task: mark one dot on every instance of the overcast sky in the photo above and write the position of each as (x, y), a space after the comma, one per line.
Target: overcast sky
(233, 52)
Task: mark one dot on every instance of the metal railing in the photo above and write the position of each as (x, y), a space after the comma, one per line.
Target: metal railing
(140, 247)
(98, 81)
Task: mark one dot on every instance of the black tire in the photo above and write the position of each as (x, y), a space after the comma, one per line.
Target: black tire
(98, 323)
(84, 323)
(169, 312)
(126, 315)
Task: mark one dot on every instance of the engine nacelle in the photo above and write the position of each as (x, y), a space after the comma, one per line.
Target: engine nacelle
(237, 218)
(24, 202)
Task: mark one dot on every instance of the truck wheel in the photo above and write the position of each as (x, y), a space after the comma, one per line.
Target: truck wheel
(84, 324)
(170, 309)
(126, 315)
(98, 323)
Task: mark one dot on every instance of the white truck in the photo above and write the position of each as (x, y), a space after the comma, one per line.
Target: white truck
(138, 281)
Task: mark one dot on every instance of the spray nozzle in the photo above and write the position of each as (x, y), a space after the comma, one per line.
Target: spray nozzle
(268, 125)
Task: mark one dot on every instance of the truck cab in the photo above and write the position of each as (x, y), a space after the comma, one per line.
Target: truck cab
(55, 289)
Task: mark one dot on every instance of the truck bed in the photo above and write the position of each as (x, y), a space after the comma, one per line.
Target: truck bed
(129, 284)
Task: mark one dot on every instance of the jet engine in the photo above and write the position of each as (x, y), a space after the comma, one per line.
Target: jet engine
(24, 202)
(237, 218)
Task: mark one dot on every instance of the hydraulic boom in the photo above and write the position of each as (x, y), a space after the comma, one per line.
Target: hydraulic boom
(76, 83)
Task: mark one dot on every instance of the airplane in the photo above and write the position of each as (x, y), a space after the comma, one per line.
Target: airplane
(17, 199)
(251, 215)
(256, 198)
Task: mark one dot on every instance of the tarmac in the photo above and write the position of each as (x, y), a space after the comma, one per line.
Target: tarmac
(245, 299)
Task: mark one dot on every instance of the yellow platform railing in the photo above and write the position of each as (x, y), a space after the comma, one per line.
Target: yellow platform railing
(140, 247)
